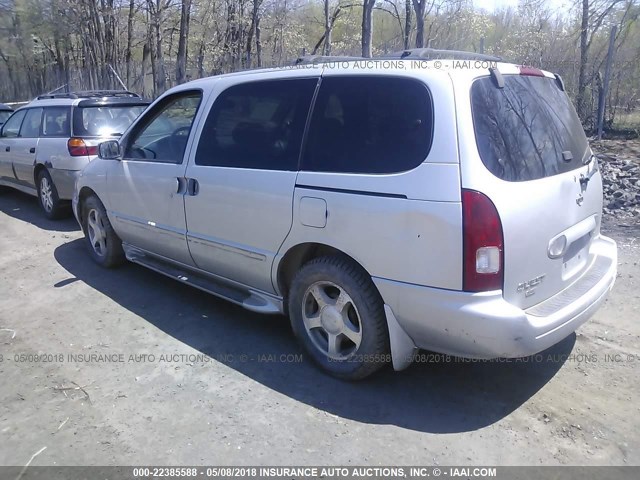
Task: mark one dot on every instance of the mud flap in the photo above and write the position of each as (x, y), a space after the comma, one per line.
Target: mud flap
(403, 349)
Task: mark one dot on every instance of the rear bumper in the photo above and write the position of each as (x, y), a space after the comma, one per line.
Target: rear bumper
(64, 181)
(484, 325)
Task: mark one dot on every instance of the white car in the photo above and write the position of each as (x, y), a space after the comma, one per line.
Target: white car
(45, 144)
(384, 205)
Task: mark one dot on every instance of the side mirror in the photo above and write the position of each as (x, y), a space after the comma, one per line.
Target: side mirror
(109, 150)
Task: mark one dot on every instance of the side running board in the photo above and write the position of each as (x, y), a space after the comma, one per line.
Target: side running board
(249, 299)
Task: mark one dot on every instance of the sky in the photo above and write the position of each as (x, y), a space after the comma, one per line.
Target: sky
(491, 5)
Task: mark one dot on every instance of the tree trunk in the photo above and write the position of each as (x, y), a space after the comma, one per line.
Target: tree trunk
(132, 7)
(147, 57)
(584, 52)
(258, 44)
(367, 27)
(407, 24)
(419, 7)
(255, 18)
(160, 85)
(327, 29)
(181, 61)
(200, 61)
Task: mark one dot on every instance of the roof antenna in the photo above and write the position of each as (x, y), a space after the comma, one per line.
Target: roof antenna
(124, 87)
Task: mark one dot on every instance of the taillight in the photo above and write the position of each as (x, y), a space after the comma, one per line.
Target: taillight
(77, 148)
(483, 243)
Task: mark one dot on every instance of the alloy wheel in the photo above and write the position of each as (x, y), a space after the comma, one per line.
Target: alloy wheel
(331, 320)
(97, 232)
(46, 193)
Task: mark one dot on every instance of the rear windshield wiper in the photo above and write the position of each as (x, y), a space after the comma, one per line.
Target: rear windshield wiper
(586, 161)
(588, 158)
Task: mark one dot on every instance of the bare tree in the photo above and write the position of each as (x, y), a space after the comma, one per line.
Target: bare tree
(156, 43)
(593, 14)
(181, 61)
(254, 31)
(157, 9)
(329, 23)
(407, 25)
(128, 53)
(367, 26)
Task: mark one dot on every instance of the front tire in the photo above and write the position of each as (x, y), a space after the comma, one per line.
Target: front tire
(105, 247)
(50, 203)
(338, 315)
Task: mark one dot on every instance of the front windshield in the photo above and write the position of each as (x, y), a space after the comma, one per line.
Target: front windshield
(104, 121)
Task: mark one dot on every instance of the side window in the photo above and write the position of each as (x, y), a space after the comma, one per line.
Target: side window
(369, 125)
(12, 127)
(55, 122)
(257, 125)
(162, 136)
(31, 125)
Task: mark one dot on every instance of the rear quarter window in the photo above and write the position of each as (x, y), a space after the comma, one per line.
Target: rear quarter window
(527, 130)
(55, 122)
(369, 125)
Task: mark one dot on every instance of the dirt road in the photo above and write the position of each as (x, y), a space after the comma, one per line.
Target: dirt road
(109, 367)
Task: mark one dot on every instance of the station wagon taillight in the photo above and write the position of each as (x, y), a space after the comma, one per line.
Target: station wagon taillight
(482, 243)
(77, 148)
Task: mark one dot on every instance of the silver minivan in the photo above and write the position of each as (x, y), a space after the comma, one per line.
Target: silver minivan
(384, 205)
(45, 144)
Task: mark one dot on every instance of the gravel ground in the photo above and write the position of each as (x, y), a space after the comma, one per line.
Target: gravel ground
(619, 162)
(123, 379)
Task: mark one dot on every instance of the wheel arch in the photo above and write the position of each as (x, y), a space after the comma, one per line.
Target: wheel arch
(300, 254)
(84, 193)
(39, 167)
(402, 346)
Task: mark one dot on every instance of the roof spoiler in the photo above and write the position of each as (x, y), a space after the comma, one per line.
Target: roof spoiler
(433, 53)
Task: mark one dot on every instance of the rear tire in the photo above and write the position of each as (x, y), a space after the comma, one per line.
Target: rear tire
(105, 247)
(338, 315)
(50, 203)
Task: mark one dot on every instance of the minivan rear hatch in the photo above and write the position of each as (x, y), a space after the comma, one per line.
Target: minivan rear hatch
(540, 174)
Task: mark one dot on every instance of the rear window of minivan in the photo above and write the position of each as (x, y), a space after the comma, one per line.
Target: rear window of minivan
(526, 130)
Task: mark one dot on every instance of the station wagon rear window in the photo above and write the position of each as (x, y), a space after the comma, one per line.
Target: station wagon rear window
(526, 130)
(100, 121)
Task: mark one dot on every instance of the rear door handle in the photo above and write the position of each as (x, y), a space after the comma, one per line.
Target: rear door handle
(193, 187)
(7, 149)
(32, 150)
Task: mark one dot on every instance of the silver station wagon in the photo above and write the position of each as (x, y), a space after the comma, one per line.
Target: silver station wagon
(45, 144)
(385, 206)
